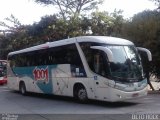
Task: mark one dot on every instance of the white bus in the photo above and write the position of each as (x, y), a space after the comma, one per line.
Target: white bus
(87, 67)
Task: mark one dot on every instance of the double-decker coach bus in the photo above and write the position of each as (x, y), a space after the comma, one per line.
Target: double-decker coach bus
(88, 67)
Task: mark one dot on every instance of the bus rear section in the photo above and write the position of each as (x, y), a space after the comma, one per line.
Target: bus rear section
(55, 70)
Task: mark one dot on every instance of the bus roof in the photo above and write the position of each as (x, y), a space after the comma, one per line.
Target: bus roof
(96, 39)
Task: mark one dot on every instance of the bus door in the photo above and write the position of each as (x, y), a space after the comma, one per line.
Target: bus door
(60, 77)
(99, 67)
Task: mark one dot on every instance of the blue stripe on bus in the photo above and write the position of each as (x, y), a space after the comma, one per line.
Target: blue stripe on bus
(33, 72)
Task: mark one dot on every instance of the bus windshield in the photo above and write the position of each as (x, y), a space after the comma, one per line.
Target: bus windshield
(126, 64)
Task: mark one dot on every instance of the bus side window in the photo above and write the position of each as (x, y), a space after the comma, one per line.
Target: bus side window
(67, 54)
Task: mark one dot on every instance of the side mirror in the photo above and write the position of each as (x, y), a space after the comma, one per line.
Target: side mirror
(106, 50)
(149, 55)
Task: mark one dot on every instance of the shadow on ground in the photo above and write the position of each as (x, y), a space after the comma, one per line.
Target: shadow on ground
(89, 102)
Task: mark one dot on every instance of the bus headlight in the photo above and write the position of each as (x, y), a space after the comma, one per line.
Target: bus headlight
(120, 87)
(125, 87)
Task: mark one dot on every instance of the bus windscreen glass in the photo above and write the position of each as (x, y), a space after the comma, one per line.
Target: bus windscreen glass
(126, 64)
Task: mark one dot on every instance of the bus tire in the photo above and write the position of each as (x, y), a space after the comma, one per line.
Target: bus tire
(81, 94)
(22, 88)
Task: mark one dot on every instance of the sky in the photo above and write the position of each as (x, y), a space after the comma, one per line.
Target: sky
(29, 12)
(129, 7)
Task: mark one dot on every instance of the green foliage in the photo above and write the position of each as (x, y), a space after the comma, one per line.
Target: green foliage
(71, 8)
(101, 23)
(12, 19)
(52, 28)
(104, 24)
(144, 30)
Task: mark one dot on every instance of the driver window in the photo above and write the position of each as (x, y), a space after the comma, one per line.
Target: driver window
(98, 64)
(97, 59)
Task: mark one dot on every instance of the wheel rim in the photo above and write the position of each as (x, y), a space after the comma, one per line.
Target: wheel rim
(82, 94)
(23, 91)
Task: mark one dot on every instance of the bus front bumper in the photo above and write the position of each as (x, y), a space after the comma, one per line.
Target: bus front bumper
(118, 95)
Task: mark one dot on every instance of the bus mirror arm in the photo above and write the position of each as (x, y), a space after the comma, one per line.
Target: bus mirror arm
(149, 55)
(106, 50)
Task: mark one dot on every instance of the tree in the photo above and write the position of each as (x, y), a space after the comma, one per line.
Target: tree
(15, 24)
(157, 2)
(71, 8)
(118, 22)
(101, 23)
(7, 35)
(144, 30)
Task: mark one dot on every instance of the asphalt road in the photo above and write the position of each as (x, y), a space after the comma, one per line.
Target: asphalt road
(14, 106)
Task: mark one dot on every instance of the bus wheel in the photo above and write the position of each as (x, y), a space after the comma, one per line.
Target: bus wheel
(22, 88)
(81, 95)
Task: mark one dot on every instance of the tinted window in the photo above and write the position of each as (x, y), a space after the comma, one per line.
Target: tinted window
(97, 59)
(67, 54)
